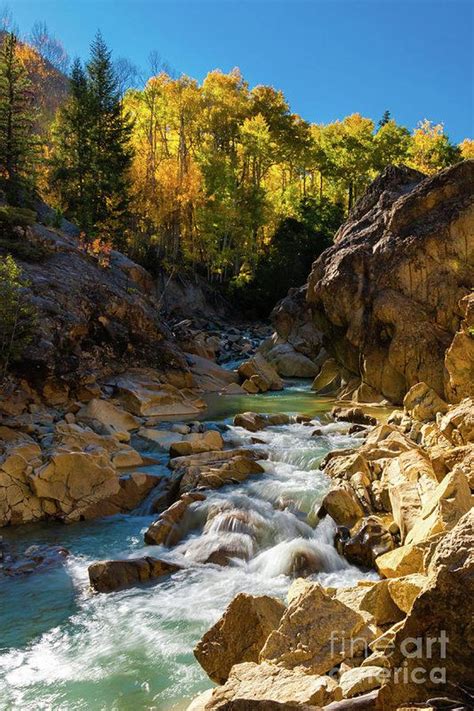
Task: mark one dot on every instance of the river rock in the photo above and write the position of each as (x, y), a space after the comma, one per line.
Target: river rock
(142, 393)
(18, 503)
(371, 540)
(289, 363)
(328, 378)
(113, 417)
(73, 480)
(360, 680)
(215, 469)
(303, 638)
(353, 414)
(134, 488)
(253, 421)
(380, 604)
(266, 377)
(269, 687)
(423, 403)
(167, 529)
(195, 443)
(404, 591)
(437, 632)
(442, 510)
(239, 635)
(110, 575)
(343, 505)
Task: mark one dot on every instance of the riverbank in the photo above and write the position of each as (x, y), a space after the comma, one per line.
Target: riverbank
(134, 647)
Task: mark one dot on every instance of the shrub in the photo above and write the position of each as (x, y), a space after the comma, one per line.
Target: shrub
(17, 315)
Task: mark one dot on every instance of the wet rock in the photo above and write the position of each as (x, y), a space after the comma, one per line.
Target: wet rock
(35, 559)
(167, 530)
(353, 414)
(253, 421)
(239, 635)
(268, 687)
(134, 488)
(371, 540)
(215, 469)
(110, 575)
(210, 441)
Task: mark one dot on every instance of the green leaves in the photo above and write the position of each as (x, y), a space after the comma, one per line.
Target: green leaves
(17, 315)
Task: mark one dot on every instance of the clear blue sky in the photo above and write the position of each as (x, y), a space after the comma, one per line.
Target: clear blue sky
(330, 57)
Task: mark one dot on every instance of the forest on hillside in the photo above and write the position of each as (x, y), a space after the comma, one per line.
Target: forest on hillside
(217, 179)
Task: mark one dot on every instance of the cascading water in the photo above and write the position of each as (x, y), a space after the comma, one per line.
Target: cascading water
(65, 648)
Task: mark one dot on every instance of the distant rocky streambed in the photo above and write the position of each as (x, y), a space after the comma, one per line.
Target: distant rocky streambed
(65, 647)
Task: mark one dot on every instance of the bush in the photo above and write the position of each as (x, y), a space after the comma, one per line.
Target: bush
(16, 216)
(17, 315)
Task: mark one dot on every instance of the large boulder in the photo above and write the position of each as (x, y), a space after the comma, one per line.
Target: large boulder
(110, 575)
(289, 363)
(142, 392)
(314, 633)
(71, 481)
(239, 635)
(109, 415)
(261, 373)
(385, 298)
(268, 687)
(437, 635)
(18, 504)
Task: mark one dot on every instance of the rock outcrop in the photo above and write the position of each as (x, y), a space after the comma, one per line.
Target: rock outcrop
(390, 301)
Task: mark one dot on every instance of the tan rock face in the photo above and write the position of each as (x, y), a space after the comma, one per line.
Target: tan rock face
(403, 591)
(239, 635)
(252, 683)
(289, 363)
(107, 576)
(386, 295)
(314, 633)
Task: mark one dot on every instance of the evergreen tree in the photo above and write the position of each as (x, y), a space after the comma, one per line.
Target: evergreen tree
(71, 174)
(17, 315)
(18, 144)
(92, 154)
(387, 116)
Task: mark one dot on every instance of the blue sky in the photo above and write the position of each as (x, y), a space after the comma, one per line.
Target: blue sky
(330, 57)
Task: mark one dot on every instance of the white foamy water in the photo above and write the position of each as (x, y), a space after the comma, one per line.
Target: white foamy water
(133, 649)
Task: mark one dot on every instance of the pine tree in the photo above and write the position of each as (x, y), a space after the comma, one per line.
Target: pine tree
(18, 144)
(71, 174)
(387, 116)
(92, 152)
(17, 315)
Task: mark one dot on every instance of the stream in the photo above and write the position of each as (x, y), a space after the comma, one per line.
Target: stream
(61, 647)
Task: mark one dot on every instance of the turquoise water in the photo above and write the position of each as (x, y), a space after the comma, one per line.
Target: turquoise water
(61, 647)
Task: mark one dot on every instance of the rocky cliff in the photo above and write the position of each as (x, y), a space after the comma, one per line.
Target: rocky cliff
(391, 301)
